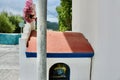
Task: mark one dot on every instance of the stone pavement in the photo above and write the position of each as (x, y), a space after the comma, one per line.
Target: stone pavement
(9, 62)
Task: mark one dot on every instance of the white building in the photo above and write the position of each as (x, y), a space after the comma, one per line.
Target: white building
(99, 21)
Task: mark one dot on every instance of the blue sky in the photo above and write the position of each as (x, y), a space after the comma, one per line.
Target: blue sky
(16, 7)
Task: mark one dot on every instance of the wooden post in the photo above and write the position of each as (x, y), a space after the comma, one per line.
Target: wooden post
(41, 39)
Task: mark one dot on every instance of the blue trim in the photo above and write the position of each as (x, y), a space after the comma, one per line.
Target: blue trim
(70, 55)
(31, 54)
(62, 55)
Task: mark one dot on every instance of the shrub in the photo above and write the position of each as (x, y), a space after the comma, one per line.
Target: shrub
(5, 25)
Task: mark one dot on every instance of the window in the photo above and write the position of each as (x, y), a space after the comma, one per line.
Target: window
(59, 71)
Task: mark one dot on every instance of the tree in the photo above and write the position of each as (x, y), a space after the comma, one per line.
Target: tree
(5, 25)
(15, 20)
(9, 22)
(65, 15)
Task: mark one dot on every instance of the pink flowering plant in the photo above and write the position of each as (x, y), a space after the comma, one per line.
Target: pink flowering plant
(29, 11)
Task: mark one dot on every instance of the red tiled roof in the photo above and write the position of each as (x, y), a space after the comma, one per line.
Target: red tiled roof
(62, 42)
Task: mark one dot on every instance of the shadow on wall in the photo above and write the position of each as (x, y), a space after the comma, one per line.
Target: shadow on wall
(9, 38)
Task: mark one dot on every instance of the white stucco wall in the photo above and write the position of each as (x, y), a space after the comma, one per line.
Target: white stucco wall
(84, 18)
(99, 21)
(79, 67)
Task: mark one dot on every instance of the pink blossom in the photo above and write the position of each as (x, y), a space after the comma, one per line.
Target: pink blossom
(29, 11)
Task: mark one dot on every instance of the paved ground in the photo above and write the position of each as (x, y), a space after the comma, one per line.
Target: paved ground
(9, 62)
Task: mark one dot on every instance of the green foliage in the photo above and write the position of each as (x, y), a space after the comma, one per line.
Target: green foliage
(65, 15)
(52, 25)
(5, 25)
(15, 20)
(9, 22)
